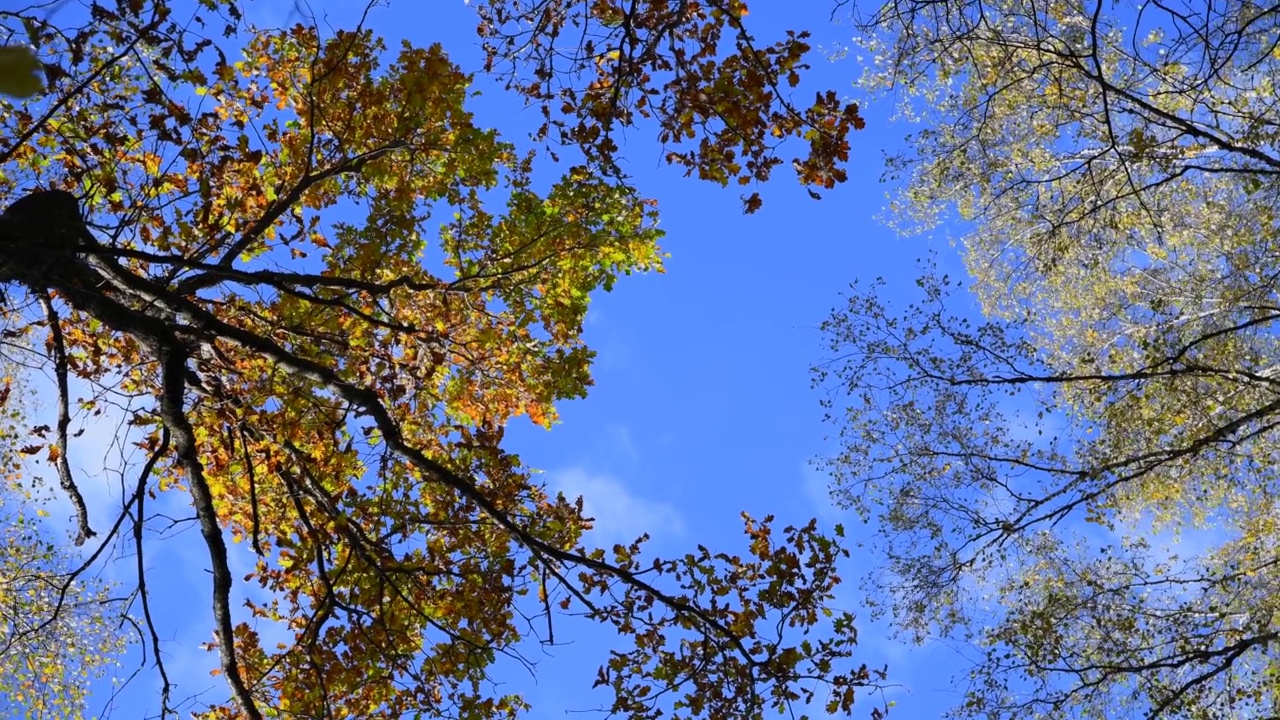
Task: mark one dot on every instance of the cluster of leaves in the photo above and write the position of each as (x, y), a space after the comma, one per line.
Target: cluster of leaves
(58, 633)
(323, 291)
(596, 68)
(1115, 164)
(742, 595)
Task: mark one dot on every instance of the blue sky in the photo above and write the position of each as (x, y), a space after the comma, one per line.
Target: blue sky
(702, 406)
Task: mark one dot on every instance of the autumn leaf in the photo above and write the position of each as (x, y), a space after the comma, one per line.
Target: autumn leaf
(19, 72)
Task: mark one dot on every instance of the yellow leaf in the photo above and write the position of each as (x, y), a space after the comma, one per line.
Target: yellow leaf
(19, 71)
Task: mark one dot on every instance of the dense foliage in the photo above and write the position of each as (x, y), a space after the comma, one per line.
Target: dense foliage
(314, 290)
(1113, 167)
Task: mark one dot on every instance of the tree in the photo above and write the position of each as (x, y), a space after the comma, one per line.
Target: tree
(320, 291)
(56, 632)
(1113, 167)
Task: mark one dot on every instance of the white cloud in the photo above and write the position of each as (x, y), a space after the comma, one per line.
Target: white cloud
(619, 443)
(101, 455)
(620, 516)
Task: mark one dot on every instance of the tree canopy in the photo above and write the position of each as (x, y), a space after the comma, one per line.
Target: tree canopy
(315, 291)
(1112, 167)
(57, 633)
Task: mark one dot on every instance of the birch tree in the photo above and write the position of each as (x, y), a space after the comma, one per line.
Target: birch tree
(1111, 169)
